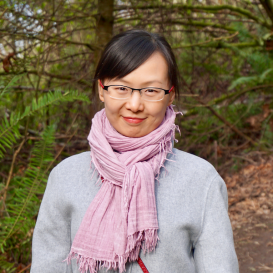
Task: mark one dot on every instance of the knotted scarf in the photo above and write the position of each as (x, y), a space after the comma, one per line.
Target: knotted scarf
(122, 218)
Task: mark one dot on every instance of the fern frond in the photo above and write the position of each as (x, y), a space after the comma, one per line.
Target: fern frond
(11, 83)
(264, 75)
(23, 204)
(9, 129)
(6, 266)
(243, 80)
(259, 79)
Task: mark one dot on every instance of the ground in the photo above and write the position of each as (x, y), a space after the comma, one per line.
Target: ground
(251, 213)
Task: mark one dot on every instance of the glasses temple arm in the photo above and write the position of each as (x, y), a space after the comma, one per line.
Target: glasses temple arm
(171, 89)
(101, 84)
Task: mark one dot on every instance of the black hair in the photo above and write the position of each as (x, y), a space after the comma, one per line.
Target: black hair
(128, 50)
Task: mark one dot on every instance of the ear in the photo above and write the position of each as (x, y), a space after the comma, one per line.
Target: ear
(171, 97)
(101, 95)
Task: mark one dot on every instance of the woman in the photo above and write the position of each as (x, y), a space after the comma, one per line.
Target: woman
(129, 221)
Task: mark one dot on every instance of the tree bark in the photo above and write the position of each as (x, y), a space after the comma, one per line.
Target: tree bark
(104, 33)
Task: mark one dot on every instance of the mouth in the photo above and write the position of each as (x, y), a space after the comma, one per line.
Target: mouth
(133, 120)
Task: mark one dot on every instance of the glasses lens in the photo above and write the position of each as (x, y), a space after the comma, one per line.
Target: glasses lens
(153, 94)
(119, 92)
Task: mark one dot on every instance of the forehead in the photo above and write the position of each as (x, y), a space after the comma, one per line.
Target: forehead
(153, 70)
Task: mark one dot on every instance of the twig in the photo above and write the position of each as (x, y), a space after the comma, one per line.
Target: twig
(265, 267)
(10, 173)
(57, 137)
(28, 88)
(220, 44)
(206, 42)
(3, 13)
(215, 154)
(238, 147)
(234, 96)
(25, 268)
(245, 158)
(42, 175)
(189, 95)
(3, 175)
(230, 125)
(200, 8)
(58, 154)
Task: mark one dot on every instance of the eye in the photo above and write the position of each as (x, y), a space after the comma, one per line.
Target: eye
(121, 88)
(150, 90)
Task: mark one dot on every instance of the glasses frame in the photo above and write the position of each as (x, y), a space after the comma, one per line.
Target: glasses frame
(105, 87)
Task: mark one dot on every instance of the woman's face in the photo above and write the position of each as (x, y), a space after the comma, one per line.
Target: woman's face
(135, 117)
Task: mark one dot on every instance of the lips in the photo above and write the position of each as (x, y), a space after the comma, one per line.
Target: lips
(133, 120)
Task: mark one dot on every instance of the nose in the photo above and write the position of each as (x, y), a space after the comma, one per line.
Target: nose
(135, 103)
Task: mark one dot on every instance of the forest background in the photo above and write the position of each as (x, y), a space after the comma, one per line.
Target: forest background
(48, 53)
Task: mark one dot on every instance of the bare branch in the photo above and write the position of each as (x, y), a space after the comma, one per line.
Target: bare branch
(199, 8)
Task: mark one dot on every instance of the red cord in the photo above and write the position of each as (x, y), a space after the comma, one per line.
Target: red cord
(142, 266)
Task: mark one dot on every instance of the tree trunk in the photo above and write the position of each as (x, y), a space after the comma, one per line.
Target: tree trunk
(104, 32)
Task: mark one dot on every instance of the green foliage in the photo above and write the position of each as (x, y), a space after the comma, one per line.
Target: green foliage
(252, 80)
(5, 265)
(9, 128)
(23, 202)
(10, 84)
(25, 188)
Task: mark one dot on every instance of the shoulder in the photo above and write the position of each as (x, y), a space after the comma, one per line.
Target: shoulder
(72, 172)
(191, 166)
(192, 173)
(190, 160)
(74, 164)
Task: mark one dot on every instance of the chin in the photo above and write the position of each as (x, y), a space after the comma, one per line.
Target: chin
(132, 134)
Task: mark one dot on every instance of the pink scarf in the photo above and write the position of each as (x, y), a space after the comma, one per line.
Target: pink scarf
(122, 218)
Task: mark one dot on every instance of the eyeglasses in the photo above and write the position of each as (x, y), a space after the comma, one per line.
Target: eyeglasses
(121, 92)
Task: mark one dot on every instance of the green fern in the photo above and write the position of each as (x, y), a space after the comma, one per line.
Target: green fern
(23, 203)
(5, 265)
(252, 80)
(9, 131)
(11, 83)
(259, 61)
(243, 80)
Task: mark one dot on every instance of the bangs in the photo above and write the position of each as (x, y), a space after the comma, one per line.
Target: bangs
(124, 57)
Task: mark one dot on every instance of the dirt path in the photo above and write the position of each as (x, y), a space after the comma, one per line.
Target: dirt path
(254, 245)
(251, 214)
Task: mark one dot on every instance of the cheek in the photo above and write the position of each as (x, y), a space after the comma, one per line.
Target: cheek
(112, 109)
(158, 110)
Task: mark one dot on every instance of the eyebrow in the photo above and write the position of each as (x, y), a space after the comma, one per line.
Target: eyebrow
(144, 83)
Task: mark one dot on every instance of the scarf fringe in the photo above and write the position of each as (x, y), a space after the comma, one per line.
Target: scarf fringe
(146, 239)
(164, 150)
(91, 264)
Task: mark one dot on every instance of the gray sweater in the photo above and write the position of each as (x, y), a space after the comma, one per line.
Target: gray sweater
(194, 228)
